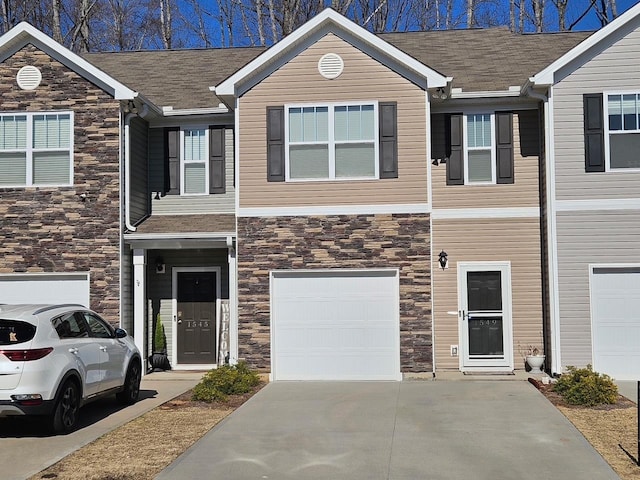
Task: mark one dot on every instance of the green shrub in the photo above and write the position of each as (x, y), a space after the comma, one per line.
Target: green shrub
(218, 384)
(159, 338)
(583, 386)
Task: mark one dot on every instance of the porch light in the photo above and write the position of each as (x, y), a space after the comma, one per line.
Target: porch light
(442, 260)
(159, 265)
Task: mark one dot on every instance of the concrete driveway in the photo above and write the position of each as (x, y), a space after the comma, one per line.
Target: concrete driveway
(404, 430)
(27, 448)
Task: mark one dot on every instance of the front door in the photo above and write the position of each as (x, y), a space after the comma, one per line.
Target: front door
(485, 315)
(196, 317)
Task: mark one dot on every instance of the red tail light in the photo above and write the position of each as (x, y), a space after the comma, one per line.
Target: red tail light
(26, 355)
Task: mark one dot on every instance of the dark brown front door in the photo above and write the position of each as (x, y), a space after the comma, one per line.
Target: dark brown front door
(197, 317)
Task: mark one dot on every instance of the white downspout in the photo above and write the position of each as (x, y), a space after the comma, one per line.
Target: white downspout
(552, 255)
(127, 166)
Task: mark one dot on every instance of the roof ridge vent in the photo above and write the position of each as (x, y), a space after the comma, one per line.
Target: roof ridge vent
(330, 65)
(29, 77)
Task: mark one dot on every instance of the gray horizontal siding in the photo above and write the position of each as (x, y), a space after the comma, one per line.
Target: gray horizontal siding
(586, 238)
(195, 204)
(159, 286)
(611, 69)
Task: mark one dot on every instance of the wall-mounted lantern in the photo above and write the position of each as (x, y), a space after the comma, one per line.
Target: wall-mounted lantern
(159, 265)
(443, 260)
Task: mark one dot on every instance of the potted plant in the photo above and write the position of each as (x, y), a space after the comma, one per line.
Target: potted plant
(159, 360)
(534, 359)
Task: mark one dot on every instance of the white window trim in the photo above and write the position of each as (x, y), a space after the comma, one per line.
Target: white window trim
(30, 150)
(332, 143)
(492, 116)
(184, 162)
(605, 110)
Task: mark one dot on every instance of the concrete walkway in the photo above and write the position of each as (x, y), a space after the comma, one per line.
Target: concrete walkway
(404, 430)
(26, 448)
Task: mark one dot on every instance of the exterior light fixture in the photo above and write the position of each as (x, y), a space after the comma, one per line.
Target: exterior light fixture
(443, 260)
(159, 265)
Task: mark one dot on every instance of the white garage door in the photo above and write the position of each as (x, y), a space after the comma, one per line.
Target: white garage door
(329, 325)
(45, 288)
(615, 304)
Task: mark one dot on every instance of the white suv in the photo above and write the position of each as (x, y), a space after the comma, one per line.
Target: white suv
(56, 358)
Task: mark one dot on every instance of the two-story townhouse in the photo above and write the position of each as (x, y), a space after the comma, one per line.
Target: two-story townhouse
(180, 224)
(344, 220)
(592, 113)
(342, 206)
(60, 186)
(486, 145)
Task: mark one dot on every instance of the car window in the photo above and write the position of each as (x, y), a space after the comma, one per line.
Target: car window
(13, 332)
(99, 328)
(70, 326)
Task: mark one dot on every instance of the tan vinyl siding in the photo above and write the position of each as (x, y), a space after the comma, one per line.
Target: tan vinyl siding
(471, 240)
(524, 192)
(610, 70)
(363, 79)
(191, 204)
(586, 238)
(139, 170)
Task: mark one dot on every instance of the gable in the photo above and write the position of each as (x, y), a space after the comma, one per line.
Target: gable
(24, 34)
(327, 22)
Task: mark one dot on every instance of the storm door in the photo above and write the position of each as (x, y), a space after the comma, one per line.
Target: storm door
(485, 315)
(195, 319)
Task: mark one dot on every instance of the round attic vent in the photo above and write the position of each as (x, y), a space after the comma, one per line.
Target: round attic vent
(29, 77)
(330, 65)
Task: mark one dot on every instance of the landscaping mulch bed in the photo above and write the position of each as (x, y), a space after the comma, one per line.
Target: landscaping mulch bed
(143, 447)
(611, 429)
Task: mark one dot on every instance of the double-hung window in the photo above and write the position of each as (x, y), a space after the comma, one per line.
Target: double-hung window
(479, 151)
(332, 142)
(195, 161)
(36, 149)
(622, 138)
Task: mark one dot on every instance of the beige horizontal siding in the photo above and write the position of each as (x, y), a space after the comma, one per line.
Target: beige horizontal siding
(363, 79)
(586, 238)
(513, 240)
(610, 70)
(524, 192)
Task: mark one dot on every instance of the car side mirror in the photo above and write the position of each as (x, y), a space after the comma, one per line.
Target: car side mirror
(121, 333)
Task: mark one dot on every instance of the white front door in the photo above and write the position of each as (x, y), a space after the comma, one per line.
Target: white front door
(484, 298)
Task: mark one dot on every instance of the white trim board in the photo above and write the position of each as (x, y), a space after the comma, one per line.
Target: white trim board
(337, 23)
(470, 213)
(23, 34)
(598, 204)
(333, 210)
(547, 76)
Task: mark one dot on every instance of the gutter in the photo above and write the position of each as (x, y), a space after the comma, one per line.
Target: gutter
(127, 165)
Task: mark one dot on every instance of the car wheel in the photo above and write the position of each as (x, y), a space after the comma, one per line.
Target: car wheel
(65, 414)
(131, 390)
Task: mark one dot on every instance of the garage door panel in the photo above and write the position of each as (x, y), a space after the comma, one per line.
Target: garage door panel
(335, 326)
(615, 307)
(45, 288)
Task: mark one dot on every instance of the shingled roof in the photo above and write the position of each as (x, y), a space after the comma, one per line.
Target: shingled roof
(485, 59)
(478, 60)
(175, 78)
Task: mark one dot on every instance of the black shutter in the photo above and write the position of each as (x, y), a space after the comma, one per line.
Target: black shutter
(275, 144)
(593, 133)
(172, 161)
(455, 162)
(216, 160)
(504, 147)
(388, 131)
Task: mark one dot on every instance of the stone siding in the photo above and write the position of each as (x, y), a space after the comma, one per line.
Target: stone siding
(321, 242)
(50, 229)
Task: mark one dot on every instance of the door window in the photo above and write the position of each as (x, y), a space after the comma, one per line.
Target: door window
(70, 326)
(99, 328)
